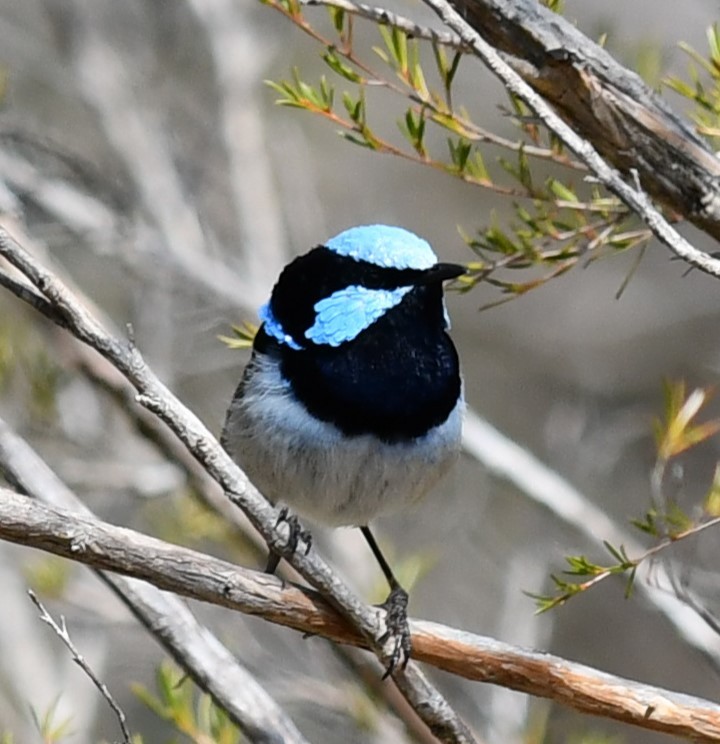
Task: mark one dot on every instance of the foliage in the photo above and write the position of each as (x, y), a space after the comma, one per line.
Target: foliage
(27, 371)
(703, 88)
(558, 220)
(187, 520)
(242, 336)
(191, 714)
(48, 574)
(665, 521)
(51, 729)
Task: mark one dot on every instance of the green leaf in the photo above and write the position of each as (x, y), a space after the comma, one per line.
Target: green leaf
(459, 153)
(562, 192)
(397, 46)
(337, 16)
(413, 128)
(339, 66)
(711, 502)
(355, 108)
(242, 338)
(356, 140)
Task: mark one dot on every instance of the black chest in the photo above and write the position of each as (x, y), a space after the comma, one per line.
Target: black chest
(396, 380)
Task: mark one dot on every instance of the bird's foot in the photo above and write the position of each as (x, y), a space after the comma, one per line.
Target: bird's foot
(397, 630)
(296, 534)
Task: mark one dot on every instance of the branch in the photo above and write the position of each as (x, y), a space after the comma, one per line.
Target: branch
(62, 633)
(506, 459)
(605, 103)
(213, 667)
(388, 18)
(633, 196)
(427, 701)
(200, 576)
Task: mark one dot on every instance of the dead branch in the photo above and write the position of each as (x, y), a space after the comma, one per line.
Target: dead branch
(200, 576)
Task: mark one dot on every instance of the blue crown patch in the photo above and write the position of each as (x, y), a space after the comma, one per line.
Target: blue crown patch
(384, 245)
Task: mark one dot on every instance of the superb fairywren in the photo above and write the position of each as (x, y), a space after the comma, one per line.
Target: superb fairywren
(351, 404)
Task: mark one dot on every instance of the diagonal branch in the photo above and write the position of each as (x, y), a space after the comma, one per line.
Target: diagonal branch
(605, 103)
(200, 576)
(632, 195)
(168, 619)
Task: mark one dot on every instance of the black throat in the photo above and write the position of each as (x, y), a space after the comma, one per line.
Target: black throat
(397, 379)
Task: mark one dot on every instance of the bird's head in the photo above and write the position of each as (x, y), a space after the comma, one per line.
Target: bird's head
(338, 290)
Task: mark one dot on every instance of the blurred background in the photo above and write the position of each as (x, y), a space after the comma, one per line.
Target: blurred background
(144, 154)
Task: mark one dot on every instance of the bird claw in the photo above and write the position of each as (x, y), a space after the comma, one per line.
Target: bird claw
(397, 630)
(296, 534)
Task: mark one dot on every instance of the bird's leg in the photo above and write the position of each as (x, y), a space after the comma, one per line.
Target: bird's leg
(295, 534)
(395, 606)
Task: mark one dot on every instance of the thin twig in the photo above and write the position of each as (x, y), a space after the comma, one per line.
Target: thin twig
(62, 633)
(388, 18)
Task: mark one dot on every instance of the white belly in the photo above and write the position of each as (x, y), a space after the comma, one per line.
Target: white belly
(319, 472)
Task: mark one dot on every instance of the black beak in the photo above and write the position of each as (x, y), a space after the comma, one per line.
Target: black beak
(441, 272)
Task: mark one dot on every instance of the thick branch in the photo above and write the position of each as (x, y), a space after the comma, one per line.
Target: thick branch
(632, 195)
(192, 574)
(605, 103)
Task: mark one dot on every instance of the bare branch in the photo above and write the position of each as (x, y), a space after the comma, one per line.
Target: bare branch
(62, 633)
(193, 574)
(192, 645)
(388, 18)
(427, 701)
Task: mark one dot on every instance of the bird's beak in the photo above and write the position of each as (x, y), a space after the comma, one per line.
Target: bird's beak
(441, 272)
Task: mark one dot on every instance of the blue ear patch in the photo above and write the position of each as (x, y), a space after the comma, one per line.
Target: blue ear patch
(349, 311)
(274, 329)
(384, 245)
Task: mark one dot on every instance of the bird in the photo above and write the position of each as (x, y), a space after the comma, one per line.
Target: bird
(351, 404)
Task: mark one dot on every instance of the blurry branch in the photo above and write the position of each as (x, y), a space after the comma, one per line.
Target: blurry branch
(61, 306)
(193, 574)
(506, 459)
(73, 206)
(167, 618)
(140, 139)
(62, 633)
(239, 56)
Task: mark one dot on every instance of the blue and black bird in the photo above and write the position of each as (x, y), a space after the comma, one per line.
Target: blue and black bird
(351, 404)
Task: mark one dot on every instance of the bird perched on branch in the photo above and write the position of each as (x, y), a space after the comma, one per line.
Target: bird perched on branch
(351, 404)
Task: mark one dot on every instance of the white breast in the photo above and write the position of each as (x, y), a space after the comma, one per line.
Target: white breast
(310, 465)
